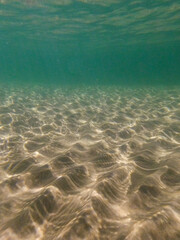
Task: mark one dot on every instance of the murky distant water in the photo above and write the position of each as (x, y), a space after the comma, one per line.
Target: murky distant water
(89, 120)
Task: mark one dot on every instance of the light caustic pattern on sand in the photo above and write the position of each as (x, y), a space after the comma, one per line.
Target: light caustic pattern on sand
(89, 164)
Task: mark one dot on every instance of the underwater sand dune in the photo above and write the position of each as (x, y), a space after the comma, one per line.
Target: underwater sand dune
(94, 163)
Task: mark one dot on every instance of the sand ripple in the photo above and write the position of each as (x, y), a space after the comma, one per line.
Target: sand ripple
(89, 163)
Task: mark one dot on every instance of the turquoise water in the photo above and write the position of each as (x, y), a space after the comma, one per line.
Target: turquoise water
(90, 42)
(89, 120)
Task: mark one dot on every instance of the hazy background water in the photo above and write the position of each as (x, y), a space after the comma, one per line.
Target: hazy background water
(90, 42)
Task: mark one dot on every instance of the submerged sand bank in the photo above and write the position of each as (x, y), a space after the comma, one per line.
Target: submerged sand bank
(95, 163)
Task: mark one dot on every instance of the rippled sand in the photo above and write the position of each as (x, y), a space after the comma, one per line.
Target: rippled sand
(89, 163)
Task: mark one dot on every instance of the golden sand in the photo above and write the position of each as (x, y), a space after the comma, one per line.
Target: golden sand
(89, 163)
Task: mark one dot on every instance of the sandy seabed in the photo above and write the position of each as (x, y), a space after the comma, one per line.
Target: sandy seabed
(89, 163)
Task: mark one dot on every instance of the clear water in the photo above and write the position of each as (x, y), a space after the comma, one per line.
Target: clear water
(89, 119)
(90, 42)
